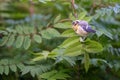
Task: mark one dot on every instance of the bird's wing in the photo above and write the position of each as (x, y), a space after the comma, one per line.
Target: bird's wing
(89, 29)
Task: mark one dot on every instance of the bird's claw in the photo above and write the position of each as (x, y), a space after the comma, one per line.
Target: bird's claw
(82, 40)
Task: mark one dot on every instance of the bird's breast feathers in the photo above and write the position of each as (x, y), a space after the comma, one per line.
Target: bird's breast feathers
(80, 31)
(75, 28)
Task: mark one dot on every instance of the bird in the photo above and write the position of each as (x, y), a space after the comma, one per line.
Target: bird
(82, 28)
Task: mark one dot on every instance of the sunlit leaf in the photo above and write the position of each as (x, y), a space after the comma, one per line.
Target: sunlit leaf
(42, 55)
(69, 42)
(68, 33)
(50, 33)
(91, 46)
(63, 25)
(38, 58)
(54, 75)
(74, 49)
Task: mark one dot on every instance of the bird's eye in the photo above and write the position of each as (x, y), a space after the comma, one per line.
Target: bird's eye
(73, 23)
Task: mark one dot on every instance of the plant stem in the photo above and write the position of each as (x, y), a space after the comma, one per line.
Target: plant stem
(74, 9)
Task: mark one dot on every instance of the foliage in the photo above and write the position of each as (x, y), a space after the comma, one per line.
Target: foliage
(54, 75)
(38, 42)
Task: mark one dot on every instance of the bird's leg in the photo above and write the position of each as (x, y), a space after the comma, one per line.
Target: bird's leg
(82, 39)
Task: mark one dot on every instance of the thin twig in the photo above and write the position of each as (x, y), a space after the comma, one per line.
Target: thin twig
(65, 20)
(31, 8)
(74, 9)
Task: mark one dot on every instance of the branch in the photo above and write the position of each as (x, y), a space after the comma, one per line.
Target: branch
(65, 20)
(31, 9)
(74, 9)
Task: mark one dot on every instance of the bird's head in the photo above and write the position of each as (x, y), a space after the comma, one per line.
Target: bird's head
(75, 24)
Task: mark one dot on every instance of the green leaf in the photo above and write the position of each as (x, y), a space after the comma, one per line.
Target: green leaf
(19, 41)
(47, 75)
(38, 58)
(37, 38)
(1, 69)
(108, 34)
(4, 41)
(32, 29)
(88, 19)
(99, 33)
(63, 25)
(42, 55)
(96, 16)
(5, 63)
(27, 42)
(13, 67)
(6, 69)
(82, 15)
(57, 19)
(69, 42)
(91, 46)
(20, 66)
(50, 33)
(39, 69)
(72, 17)
(45, 54)
(44, 1)
(69, 60)
(33, 72)
(74, 49)
(3, 32)
(26, 30)
(10, 30)
(26, 70)
(54, 75)
(68, 33)
(59, 75)
(19, 29)
(86, 61)
(95, 61)
(11, 40)
(52, 54)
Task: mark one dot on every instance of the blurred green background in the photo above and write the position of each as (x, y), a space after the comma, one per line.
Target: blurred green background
(30, 32)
